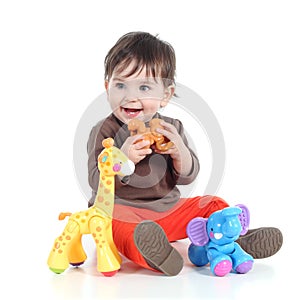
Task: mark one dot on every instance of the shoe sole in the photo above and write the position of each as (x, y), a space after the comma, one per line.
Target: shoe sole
(262, 242)
(154, 246)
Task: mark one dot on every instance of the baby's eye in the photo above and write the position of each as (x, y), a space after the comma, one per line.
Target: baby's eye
(144, 88)
(120, 85)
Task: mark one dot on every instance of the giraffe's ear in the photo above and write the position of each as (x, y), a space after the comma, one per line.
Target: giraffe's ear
(102, 158)
(107, 143)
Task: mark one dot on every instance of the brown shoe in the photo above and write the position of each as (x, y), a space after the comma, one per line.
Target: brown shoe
(261, 242)
(153, 244)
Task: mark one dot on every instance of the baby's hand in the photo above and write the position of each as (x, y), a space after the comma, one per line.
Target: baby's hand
(134, 148)
(170, 132)
(182, 160)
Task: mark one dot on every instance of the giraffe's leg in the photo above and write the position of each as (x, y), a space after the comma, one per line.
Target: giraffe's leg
(112, 243)
(58, 260)
(76, 255)
(107, 263)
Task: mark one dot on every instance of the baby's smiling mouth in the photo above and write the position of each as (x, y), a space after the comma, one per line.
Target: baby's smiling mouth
(131, 112)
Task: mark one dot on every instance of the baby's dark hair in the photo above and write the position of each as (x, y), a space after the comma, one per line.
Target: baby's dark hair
(145, 50)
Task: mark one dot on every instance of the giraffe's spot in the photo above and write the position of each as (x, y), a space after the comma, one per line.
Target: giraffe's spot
(107, 163)
(82, 220)
(107, 203)
(68, 237)
(57, 245)
(64, 244)
(108, 182)
(106, 171)
(101, 185)
(60, 251)
(77, 216)
(60, 238)
(87, 214)
(96, 241)
(103, 177)
(117, 167)
(103, 242)
(106, 191)
(100, 246)
(100, 199)
(98, 229)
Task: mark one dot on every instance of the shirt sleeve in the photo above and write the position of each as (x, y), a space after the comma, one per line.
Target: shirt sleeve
(93, 150)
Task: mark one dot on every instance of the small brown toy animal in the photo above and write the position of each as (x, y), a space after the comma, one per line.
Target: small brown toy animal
(136, 126)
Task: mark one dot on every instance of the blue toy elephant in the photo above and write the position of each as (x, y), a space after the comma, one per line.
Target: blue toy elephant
(213, 241)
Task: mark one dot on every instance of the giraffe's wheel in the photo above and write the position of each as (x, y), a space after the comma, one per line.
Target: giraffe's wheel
(76, 264)
(110, 274)
(57, 271)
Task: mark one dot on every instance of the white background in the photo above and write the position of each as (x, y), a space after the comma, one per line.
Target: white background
(241, 57)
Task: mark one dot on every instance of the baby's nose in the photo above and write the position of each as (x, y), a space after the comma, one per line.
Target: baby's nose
(131, 97)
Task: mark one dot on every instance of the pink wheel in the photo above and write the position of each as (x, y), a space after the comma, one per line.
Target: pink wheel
(110, 274)
(223, 268)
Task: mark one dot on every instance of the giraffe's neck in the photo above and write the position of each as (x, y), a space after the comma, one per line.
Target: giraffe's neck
(105, 197)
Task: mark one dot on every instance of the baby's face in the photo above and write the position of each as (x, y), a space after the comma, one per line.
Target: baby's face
(136, 96)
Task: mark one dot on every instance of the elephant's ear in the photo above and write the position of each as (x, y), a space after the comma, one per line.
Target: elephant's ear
(196, 231)
(244, 218)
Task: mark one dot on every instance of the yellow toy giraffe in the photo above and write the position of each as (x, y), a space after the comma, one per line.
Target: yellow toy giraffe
(97, 220)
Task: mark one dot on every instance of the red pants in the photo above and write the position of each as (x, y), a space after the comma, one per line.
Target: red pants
(173, 222)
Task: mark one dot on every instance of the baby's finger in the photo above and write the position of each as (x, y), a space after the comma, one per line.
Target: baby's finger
(141, 144)
(144, 152)
(165, 132)
(168, 126)
(137, 137)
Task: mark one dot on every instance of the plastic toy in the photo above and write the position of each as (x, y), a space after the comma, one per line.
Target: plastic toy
(136, 126)
(97, 220)
(213, 241)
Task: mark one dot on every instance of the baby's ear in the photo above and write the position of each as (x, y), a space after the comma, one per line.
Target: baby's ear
(106, 85)
(168, 94)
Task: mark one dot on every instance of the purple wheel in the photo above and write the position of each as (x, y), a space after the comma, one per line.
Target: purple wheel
(77, 264)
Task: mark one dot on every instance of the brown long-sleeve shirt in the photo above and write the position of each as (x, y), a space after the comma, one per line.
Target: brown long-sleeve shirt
(154, 183)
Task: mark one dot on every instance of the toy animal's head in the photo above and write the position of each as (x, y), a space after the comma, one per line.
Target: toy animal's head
(136, 126)
(222, 227)
(112, 161)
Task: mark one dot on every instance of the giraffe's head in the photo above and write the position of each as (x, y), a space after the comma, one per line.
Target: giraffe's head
(112, 161)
